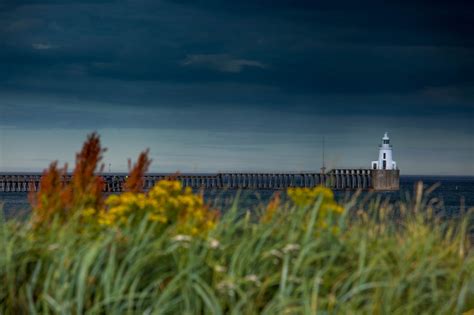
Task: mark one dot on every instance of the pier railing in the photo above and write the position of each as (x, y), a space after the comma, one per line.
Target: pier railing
(337, 179)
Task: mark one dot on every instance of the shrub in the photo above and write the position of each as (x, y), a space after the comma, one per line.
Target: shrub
(167, 203)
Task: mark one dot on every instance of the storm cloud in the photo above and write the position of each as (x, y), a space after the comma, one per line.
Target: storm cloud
(292, 69)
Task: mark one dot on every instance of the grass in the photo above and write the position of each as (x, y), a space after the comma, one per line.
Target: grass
(384, 258)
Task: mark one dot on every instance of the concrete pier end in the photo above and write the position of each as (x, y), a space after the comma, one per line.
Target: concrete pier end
(385, 180)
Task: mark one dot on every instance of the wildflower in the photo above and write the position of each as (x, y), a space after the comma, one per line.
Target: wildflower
(335, 230)
(213, 243)
(47, 202)
(88, 212)
(220, 269)
(253, 278)
(307, 196)
(290, 248)
(272, 207)
(226, 286)
(85, 188)
(158, 218)
(56, 198)
(182, 238)
(275, 253)
(112, 200)
(53, 247)
(134, 182)
(105, 220)
(166, 203)
(328, 210)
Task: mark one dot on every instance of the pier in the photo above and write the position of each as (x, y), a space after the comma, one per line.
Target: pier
(336, 179)
(382, 176)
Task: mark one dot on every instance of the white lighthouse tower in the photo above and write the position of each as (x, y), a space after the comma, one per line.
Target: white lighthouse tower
(385, 161)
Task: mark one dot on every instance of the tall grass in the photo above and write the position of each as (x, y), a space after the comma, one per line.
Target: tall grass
(166, 252)
(374, 264)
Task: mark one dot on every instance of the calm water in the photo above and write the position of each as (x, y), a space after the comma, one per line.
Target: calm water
(452, 190)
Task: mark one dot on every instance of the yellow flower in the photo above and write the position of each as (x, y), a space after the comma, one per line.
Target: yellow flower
(166, 203)
(88, 212)
(328, 210)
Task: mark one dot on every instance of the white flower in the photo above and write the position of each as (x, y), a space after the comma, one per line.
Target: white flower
(213, 243)
(290, 248)
(226, 286)
(253, 278)
(276, 253)
(219, 268)
(182, 238)
(53, 247)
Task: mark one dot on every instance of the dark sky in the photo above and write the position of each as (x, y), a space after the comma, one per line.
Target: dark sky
(232, 85)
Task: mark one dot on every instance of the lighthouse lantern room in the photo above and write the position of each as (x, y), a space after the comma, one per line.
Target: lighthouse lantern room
(385, 161)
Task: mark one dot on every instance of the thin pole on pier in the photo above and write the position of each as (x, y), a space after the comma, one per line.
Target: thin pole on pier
(323, 168)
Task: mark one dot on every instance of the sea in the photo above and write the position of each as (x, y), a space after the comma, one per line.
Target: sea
(455, 192)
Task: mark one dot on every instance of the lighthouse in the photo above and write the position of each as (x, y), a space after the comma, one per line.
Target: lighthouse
(385, 161)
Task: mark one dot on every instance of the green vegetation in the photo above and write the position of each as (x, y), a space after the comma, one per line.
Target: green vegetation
(167, 252)
(373, 264)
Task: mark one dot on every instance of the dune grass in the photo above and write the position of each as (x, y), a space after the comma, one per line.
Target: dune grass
(374, 263)
(167, 252)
